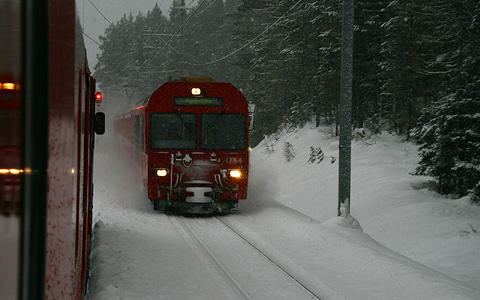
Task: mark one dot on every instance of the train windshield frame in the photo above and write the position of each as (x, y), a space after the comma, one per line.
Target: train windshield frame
(173, 131)
(222, 131)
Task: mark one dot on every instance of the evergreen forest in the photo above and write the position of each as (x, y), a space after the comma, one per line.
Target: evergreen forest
(416, 68)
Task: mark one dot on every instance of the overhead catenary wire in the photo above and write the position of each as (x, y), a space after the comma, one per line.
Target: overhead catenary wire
(184, 23)
(246, 44)
(106, 19)
(206, 8)
(233, 52)
(191, 15)
(165, 42)
(96, 42)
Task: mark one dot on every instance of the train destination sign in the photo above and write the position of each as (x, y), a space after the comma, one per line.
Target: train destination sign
(194, 101)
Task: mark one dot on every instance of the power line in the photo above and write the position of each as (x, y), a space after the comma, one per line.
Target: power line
(180, 28)
(211, 3)
(91, 38)
(248, 43)
(100, 12)
(189, 16)
(165, 42)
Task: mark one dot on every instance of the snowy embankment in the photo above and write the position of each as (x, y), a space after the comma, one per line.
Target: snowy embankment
(392, 206)
(290, 214)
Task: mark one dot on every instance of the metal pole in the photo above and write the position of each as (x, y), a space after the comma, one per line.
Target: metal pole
(35, 148)
(182, 4)
(346, 109)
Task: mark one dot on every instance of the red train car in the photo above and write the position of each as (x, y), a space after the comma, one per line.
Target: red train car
(189, 140)
(47, 121)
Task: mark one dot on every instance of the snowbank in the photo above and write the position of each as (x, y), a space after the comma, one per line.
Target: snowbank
(393, 207)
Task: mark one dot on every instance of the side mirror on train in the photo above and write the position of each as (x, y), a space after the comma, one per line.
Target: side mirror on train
(100, 123)
(251, 115)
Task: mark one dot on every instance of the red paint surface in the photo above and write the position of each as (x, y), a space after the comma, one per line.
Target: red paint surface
(69, 164)
(203, 168)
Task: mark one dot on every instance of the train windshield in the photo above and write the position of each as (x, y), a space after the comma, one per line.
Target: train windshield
(223, 131)
(173, 131)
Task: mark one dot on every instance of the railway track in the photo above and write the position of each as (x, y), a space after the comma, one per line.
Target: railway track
(240, 264)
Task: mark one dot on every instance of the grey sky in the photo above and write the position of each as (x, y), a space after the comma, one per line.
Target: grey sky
(94, 24)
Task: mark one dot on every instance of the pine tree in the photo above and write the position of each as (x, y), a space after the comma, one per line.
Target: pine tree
(206, 41)
(449, 130)
(402, 67)
(368, 77)
(323, 32)
(115, 63)
(450, 143)
(154, 68)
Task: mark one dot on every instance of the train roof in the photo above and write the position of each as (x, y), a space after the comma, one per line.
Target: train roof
(183, 86)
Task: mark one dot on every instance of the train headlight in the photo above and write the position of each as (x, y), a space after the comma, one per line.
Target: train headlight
(235, 173)
(197, 92)
(161, 172)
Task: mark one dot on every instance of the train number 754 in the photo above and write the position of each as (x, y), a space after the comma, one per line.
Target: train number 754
(234, 160)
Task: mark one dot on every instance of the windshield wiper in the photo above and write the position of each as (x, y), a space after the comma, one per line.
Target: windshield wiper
(211, 125)
(189, 130)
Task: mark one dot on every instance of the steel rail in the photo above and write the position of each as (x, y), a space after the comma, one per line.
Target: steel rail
(195, 242)
(284, 269)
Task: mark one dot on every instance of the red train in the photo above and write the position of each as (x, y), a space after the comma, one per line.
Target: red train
(47, 123)
(189, 141)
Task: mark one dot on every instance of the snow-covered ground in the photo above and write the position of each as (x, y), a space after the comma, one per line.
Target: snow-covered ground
(393, 207)
(408, 243)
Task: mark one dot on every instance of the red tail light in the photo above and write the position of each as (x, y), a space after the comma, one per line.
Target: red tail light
(98, 97)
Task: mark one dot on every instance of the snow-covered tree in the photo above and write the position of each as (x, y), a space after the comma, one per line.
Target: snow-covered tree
(449, 129)
(130, 53)
(369, 38)
(403, 52)
(450, 143)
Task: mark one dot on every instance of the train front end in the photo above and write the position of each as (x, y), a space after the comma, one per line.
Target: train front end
(197, 141)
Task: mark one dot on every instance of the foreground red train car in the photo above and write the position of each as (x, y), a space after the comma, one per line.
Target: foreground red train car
(189, 140)
(47, 120)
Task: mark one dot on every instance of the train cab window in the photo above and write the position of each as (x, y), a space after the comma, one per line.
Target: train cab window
(173, 131)
(223, 131)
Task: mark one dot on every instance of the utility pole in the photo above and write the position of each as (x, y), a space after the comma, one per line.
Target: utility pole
(182, 4)
(182, 9)
(345, 150)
